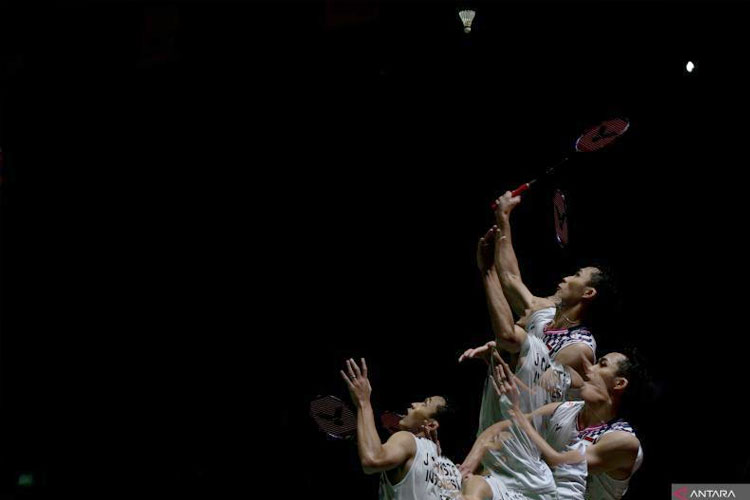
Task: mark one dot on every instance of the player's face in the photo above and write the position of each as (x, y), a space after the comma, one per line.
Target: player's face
(573, 289)
(421, 411)
(601, 378)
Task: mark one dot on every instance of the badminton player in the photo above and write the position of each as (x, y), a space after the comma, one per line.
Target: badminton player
(592, 452)
(410, 462)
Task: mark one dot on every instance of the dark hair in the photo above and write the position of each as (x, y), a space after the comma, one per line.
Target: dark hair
(637, 394)
(606, 303)
(445, 413)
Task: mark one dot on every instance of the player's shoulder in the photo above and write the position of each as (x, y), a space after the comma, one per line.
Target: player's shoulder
(541, 304)
(402, 436)
(621, 440)
(576, 349)
(404, 441)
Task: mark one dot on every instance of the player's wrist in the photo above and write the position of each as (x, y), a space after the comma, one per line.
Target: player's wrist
(503, 221)
(364, 402)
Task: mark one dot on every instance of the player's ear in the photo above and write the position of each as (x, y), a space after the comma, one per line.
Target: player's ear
(621, 383)
(589, 293)
(432, 425)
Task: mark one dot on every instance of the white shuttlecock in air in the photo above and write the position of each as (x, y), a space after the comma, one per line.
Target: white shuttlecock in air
(467, 16)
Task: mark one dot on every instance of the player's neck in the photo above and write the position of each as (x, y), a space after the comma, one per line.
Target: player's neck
(567, 316)
(597, 412)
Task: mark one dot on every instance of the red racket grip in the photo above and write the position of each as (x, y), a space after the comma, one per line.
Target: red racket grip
(520, 189)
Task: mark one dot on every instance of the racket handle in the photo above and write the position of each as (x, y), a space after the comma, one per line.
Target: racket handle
(520, 189)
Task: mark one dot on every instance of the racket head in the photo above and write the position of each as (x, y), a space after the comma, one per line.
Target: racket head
(602, 135)
(560, 207)
(333, 417)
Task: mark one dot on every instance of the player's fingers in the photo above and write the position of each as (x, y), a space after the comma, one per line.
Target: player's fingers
(498, 391)
(509, 376)
(502, 362)
(346, 379)
(504, 386)
(500, 373)
(350, 369)
(506, 371)
(356, 368)
(364, 368)
(496, 356)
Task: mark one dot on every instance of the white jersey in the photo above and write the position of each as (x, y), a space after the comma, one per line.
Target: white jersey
(430, 477)
(538, 321)
(533, 361)
(562, 434)
(603, 486)
(518, 464)
(557, 340)
(562, 429)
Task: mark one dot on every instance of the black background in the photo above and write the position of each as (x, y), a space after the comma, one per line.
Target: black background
(207, 207)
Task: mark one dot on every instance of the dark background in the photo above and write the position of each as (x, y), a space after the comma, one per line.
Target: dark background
(207, 207)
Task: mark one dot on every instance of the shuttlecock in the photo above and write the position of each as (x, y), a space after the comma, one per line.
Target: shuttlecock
(467, 16)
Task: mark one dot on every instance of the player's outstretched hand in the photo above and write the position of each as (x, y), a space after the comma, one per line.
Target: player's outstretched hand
(505, 204)
(505, 383)
(482, 352)
(357, 382)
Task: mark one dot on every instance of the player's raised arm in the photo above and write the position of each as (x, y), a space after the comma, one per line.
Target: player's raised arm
(491, 438)
(373, 454)
(518, 295)
(507, 335)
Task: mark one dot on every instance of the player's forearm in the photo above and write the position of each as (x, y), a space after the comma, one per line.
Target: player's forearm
(508, 270)
(505, 256)
(369, 446)
(501, 316)
(552, 457)
(474, 459)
